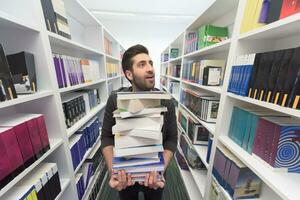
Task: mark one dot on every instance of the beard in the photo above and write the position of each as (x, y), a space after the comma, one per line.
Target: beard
(142, 83)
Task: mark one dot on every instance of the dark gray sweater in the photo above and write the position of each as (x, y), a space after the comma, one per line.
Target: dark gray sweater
(169, 129)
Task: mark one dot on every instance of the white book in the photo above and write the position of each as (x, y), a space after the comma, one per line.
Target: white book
(157, 168)
(143, 95)
(136, 123)
(144, 133)
(124, 162)
(136, 105)
(125, 141)
(144, 112)
(137, 150)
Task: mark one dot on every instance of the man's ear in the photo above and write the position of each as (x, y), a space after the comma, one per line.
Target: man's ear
(129, 74)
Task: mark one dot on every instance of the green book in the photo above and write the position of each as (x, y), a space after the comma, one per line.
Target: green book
(201, 36)
(209, 35)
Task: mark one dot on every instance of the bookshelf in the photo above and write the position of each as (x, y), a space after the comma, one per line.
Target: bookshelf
(22, 28)
(281, 34)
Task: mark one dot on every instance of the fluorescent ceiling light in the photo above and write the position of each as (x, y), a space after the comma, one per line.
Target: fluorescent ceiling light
(114, 13)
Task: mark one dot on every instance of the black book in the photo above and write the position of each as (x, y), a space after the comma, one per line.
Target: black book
(6, 82)
(279, 86)
(274, 11)
(22, 67)
(294, 97)
(212, 75)
(49, 16)
(292, 72)
(254, 75)
(278, 56)
(263, 78)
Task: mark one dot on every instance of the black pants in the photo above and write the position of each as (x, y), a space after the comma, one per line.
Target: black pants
(132, 193)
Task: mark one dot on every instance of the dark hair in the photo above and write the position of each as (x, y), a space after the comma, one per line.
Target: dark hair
(130, 53)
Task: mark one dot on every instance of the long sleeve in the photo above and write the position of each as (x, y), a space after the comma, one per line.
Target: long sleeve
(107, 138)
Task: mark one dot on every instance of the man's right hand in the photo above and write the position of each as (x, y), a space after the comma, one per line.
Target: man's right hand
(120, 181)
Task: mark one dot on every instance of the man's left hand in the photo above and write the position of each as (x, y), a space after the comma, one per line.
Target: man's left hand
(152, 182)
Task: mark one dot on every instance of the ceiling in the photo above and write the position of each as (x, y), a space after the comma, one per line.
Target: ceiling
(154, 23)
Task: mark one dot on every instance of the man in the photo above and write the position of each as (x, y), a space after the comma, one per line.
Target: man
(138, 69)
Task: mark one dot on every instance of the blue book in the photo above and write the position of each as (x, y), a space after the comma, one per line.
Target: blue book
(209, 146)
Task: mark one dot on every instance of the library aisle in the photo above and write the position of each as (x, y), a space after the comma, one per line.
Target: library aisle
(233, 75)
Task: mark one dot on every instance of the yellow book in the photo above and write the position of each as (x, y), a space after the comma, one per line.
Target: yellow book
(255, 23)
(245, 17)
(249, 12)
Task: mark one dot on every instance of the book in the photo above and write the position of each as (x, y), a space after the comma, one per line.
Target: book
(137, 150)
(133, 123)
(143, 113)
(6, 82)
(151, 132)
(121, 162)
(212, 76)
(126, 141)
(197, 133)
(49, 16)
(289, 8)
(209, 35)
(22, 67)
(274, 11)
(143, 95)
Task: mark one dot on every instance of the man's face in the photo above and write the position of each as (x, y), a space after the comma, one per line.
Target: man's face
(142, 74)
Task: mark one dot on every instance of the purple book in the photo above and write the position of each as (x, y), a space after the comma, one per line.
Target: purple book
(264, 11)
(62, 67)
(57, 70)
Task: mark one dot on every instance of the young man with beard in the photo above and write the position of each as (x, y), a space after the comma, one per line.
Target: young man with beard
(138, 69)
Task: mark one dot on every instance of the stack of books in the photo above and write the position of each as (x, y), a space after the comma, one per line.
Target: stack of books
(138, 139)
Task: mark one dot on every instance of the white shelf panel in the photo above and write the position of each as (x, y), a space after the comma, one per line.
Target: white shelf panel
(165, 62)
(86, 155)
(14, 22)
(213, 49)
(199, 177)
(189, 183)
(284, 28)
(286, 185)
(211, 127)
(80, 86)
(175, 59)
(165, 88)
(54, 144)
(112, 58)
(25, 98)
(172, 77)
(85, 119)
(202, 152)
(63, 42)
(64, 183)
(214, 89)
(115, 77)
(285, 110)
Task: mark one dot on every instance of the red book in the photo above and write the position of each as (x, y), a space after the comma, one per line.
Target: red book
(23, 138)
(289, 7)
(35, 137)
(5, 167)
(43, 132)
(9, 143)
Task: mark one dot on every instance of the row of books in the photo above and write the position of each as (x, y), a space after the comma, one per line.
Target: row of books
(267, 135)
(83, 140)
(55, 17)
(173, 70)
(196, 133)
(234, 176)
(97, 188)
(23, 140)
(137, 133)
(17, 74)
(43, 184)
(84, 176)
(73, 71)
(204, 72)
(112, 69)
(174, 53)
(273, 77)
(190, 154)
(108, 46)
(174, 87)
(203, 105)
(260, 12)
(206, 35)
(78, 104)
